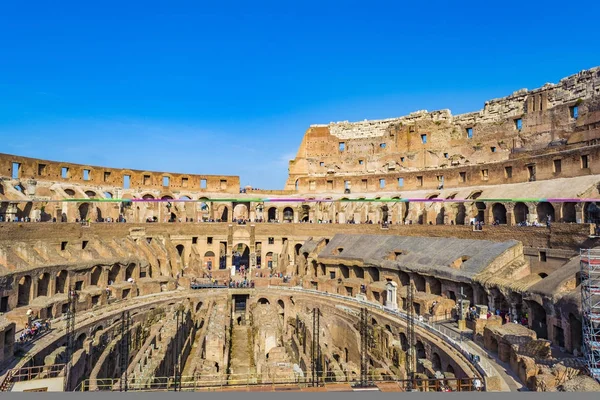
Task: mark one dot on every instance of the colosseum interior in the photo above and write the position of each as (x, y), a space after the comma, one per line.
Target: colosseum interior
(372, 268)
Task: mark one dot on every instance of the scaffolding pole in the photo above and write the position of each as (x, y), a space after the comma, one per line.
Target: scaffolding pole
(316, 348)
(410, 336)
(124, 351)
(590, 304)
(70, 333)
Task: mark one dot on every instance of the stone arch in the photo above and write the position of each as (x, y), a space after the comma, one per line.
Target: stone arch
(436, 362)
(272, 214)
(545, 210)
(198, 306)
(521, 212)
(419, 283)
(130, 271)
(91, 194)
(84, 210)
(80, 340)
(591, 213)
(43, 288)
(148, 196)
(569, 212)
(493, 345)
(95, 276)
(61, 281)
(499, 213)
(481, 207)
(576, 331)
(435, 286)
(70, 192)
(24, 292)
(114, 272)
(420, 350)
(241, 256)
(305, 213)
(440, 218)
(404, 278)
(450, 369)
(269, 260)
(461, 214)
(538, 319)
(240, 211)
(209, 259)
(223, 213)
(297, 248)
(288, 214)
(264, 301)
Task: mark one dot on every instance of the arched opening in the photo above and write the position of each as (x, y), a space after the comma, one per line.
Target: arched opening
(241, 256)
(538, 320)
(461, 214)
(83, 211)
(419, 283)
(569, 212)
(420, 350)
(80, 340)
(198, 306)
(591, 213)
(450, 369)
(180, 249)
(61, 281)
(240, 212)
(439, 220)
(288, 214)
(95, 276)
(272, 214)
(403, 342)
(435, 286)
(43, 284)
(91, 194)
(209, 260)
(269, 260)
(70, 192)
(305, 214)
(499, 213)
(436, 362)
(480, 210)
(521, 212)
(493, 345)
(130, 272)
(148, 197)
(223, 213)
(113, 273)
(545, 210)
(576, 333)
(263, 301)
(404, 278)
(24, 291)
(297, 248)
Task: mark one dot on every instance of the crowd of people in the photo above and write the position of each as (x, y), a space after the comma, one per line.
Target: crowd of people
(33, 329)
(506, 316)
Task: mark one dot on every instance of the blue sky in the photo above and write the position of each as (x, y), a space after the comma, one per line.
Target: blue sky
(230, 87)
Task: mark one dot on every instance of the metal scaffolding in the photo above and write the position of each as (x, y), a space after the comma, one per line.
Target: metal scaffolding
(124, 351)
(410, 336)
(70, 333)
(366, 342)
(590, 304)
(316, 348)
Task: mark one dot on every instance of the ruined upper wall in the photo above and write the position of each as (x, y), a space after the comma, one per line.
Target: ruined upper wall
(64, 172)
(528, 120)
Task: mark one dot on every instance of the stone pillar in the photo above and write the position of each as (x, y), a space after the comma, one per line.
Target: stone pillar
(580, 213)
(510, 213)
(532, 216)
(558, 211)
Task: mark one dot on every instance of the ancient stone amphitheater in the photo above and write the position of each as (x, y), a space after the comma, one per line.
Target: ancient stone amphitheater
(371, 269)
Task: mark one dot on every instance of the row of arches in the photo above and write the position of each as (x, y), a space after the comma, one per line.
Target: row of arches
(44, 287)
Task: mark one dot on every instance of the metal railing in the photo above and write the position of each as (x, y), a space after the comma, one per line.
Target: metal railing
(482, 366)
(31, 373)
(245, 381)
